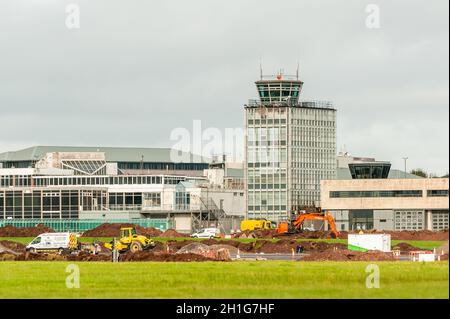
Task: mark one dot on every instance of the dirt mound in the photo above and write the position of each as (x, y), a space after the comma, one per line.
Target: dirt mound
(260, 233)
(175, 245)
(11, 245)
(443, 249)
(233, 250)
(334, 254)
(11, 231)
(7, 256)
(153, 256)
(172, 233)
(419, 235)
(285, 246)
(405, 247)
(216, 252)
(113, 230)
(40, 256)
(84, 256)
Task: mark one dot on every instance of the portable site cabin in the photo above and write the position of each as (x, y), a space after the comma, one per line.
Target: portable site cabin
(365, 242)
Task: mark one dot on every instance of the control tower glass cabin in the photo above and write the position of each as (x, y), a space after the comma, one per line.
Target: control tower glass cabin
(279, 91)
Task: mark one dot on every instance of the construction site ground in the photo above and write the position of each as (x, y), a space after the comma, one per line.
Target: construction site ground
(259, 265)
(13, 248)
(257, 245)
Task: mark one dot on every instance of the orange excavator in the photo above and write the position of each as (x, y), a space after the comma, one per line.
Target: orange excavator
(296, 225)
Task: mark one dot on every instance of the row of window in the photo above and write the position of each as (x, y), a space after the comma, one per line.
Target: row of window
(128, 165)
(266, 121)
(363, 194)
(162, 166)
(267, 208)
(437, 193)
(49, 204)
(266, 186)
(393, 193)
(19, 181)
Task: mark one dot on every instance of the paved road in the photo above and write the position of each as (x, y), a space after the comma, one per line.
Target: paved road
(246, 256)
(297, 257)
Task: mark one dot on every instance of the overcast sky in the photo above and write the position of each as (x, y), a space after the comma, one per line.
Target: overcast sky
(135, 70)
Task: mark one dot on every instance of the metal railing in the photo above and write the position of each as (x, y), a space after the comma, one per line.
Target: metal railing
(82, 225)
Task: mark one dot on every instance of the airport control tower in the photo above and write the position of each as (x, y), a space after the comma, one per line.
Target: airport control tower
(290, 147)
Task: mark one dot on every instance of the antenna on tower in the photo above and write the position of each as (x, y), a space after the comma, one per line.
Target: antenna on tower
(298, 67)
(260, 68)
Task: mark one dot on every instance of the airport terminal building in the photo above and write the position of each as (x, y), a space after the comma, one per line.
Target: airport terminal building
(368, 195)
(43, 183)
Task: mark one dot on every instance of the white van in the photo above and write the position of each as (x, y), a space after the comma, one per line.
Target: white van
(53, 242)
(207, 233)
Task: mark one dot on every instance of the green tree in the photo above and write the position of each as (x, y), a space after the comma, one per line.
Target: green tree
(419, 172)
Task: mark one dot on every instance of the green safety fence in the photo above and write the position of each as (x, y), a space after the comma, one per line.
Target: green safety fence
(81, 225)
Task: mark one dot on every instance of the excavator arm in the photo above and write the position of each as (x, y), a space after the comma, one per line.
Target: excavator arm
(316, 216)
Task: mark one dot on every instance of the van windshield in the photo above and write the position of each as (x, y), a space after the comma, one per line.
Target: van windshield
(37, 240)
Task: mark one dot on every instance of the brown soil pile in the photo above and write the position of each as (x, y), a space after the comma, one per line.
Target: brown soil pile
(282, 246)
(11, 231)
(6, 256)
(40, 256)
(216, 252)
(113, 230)
(405, 247)
(172, 233)
(443, 249)
(347, 255)
(84, 256)
(175, 245)
(11, 245)
(285, 246)
(152, 256)
(260, 233)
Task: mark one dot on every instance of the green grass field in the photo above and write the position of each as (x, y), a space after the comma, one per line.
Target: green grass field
(224, 280)
(416, 243)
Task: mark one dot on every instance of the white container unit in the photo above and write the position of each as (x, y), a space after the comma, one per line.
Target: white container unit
(427, 257)
(365, 242)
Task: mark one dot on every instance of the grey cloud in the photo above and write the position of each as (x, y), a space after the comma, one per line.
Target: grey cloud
(137, 69)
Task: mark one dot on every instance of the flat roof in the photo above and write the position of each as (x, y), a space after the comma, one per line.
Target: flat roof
(112, 154)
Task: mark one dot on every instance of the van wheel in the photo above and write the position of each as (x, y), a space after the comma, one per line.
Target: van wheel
(33, 250)
(60, 251)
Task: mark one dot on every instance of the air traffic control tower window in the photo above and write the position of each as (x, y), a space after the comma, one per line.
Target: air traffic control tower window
(279, 91)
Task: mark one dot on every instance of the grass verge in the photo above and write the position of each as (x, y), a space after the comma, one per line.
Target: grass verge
(269, 279)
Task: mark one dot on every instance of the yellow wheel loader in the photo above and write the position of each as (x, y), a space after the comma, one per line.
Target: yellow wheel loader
(131, 241)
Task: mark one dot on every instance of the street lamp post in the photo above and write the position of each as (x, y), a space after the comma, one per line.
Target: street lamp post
(405, 159)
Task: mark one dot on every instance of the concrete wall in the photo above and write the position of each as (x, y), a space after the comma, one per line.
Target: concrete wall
(384, 203)
(383, 219)
(233, 202)
(183, 223)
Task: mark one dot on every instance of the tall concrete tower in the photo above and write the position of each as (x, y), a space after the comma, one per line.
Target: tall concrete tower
(290, 147)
